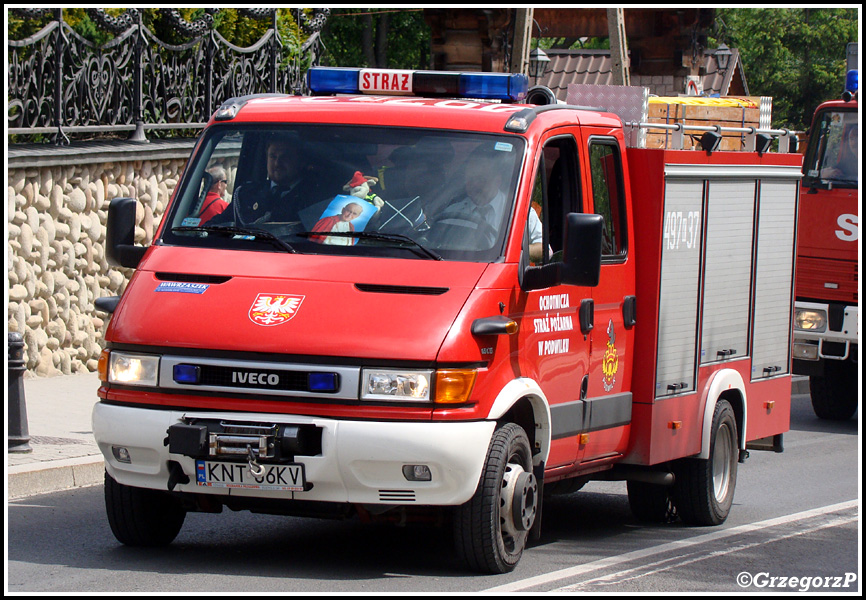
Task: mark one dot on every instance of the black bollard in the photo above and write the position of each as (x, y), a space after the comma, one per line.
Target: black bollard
(19, 436)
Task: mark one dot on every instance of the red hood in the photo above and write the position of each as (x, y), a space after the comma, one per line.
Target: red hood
(292, 304)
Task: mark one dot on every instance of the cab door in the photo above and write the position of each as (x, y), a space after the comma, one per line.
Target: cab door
(554, 351)
(609, 398)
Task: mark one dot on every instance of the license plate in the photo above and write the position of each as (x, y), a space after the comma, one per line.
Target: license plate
(238, 475)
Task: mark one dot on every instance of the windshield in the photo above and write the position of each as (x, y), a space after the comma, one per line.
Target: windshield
(363, 191)
(832, 157)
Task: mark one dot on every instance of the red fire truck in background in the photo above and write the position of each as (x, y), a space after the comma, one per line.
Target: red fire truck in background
(826, 329)
(435, 344)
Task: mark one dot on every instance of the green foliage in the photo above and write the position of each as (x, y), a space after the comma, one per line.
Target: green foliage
(796, 55)
(240, 31)
(408, 37)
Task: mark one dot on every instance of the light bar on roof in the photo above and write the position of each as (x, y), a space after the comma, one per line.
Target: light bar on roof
(483, 86)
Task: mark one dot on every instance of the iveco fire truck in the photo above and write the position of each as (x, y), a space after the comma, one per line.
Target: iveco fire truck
(826, 329)
(428, 294)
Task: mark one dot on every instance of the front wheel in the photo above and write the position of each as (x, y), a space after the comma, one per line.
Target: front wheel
(142, 517)
(834, 396)
(704, 488)
(491, 529)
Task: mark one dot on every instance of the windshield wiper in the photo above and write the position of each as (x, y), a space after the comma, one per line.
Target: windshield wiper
(244, 232)
(369, 235)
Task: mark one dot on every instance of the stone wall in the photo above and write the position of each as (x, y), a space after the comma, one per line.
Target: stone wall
(57, 203)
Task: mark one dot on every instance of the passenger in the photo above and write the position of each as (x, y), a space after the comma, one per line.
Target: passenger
(420, 171)
(214, 203)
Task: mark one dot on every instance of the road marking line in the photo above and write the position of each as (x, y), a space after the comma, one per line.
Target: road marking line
(613, 561)
(678, 560)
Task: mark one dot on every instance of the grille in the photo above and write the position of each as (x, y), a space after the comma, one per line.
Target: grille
(288, 381)
(814, 273)
(396, 496)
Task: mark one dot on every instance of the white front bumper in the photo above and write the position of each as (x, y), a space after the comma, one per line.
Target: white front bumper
(361, 461)
(808, 345)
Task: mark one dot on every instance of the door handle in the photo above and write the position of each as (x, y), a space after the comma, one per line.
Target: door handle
(586, 314)
(629, 311)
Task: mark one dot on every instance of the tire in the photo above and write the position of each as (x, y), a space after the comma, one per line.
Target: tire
(142, 517)
(491, 529)
(651, 503)
(704, 488)
(834, 396)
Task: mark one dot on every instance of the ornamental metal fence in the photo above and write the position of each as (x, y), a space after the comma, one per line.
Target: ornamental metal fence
(60, 83)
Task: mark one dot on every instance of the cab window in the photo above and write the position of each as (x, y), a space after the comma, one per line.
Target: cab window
(555, 193)
(607, 195)
(832, 156)
(349, 190)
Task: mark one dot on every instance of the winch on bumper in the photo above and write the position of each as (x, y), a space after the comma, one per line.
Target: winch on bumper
(292, 457)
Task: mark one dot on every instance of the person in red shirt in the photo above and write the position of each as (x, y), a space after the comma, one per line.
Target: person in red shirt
(214, 203)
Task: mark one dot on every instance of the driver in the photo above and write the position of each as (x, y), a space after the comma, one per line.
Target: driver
(848, 163)
(484, 202)
(283, 194)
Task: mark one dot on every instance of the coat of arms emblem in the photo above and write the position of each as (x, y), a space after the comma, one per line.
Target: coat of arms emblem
(274, 309)
(610, 363)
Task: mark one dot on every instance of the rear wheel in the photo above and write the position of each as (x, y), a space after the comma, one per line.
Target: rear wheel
(704, 488)
(651, 503)
(491, 529)
(142, 517)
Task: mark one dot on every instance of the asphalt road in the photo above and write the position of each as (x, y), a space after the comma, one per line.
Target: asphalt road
(794, 527)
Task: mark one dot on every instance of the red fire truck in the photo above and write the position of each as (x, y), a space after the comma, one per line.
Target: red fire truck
(445, 304)
(826, 329)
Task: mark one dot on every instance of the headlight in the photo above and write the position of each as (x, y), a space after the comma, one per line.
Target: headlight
(810, 319)
(397, 386)
(133, 369)
(450, 386)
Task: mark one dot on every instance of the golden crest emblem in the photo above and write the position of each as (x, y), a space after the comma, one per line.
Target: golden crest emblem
(610, 362)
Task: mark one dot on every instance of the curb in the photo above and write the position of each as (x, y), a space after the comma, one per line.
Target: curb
(54, 476)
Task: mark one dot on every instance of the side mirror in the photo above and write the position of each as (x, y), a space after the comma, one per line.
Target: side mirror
(581, 260)
(581, 257)
(120, 248)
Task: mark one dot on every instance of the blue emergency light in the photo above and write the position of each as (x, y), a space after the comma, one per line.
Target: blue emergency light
(186, 373)
(852, 81)
(506, 87)
(322, 382)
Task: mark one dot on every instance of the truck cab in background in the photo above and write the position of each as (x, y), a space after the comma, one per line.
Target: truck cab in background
(826, 332)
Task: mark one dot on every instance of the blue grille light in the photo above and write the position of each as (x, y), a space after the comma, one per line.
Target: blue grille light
(322, 382)
(187, 374)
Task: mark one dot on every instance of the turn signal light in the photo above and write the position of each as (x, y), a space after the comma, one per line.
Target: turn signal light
(454, 386)
(102, 366)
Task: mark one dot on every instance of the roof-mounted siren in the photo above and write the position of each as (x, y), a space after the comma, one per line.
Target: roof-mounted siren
(852, 83)
(541, 95)
(852, 79)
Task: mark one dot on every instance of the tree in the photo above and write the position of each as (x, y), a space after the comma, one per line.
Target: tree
(371, 37)
(795, 55)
